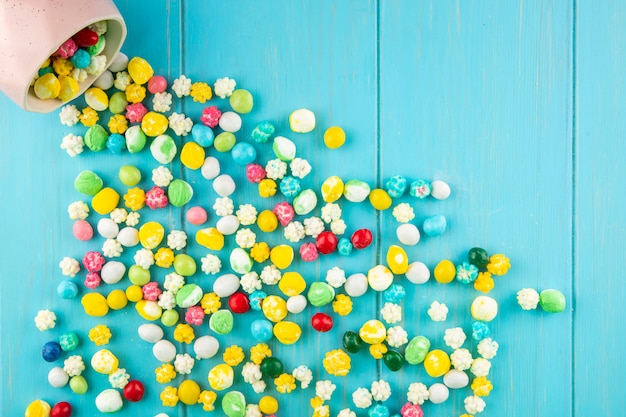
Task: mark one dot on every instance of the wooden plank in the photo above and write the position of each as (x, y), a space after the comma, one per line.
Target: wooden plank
(478, 95)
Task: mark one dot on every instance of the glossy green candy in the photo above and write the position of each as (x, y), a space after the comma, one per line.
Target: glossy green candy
(118, 102)
(179, 193)
(138, 275)
(169, 318)
(135, 139)
(478, 257)
(184, 265)
(234, 404)
(88, 183)
(96, 138)
(241, 101)
(98, 47)
(271, 367)
(224, 142)
(352, 342)
(320, 294)
(417, 349)
(393, 360)
(78, 384)
(552, 301)
(189, 295)
(221, 322)
(129, 175)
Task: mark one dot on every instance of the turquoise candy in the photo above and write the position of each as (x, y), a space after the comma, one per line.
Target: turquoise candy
(344, 247)
(283, 148)
(203, 135)
(67, 289)
(68, 341)
(305, 202)
(434, 225)
(256, 299)
(45, 70)
(416, 350)
(480, 330)
(552, 301)
(261, 330)
(356, 191)
(179, 193)
(396, 186)
(221, 322)
(88, 183)
(262, 132)
(135, 139)
(234, 404)
(240, 261)
(320, 294)
(378, 410)
(163, 149)
(118, 102)
(289, 186)
(420, 189)
(189, 295)
(243, 153)
(80, 59)
(466, 273)
(96, 138)
(116, 143)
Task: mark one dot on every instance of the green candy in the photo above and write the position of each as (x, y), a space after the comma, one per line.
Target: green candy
(241, 101)
(129, 175)
(184, 265)
(224, 142)
(68, 341)
(88, 183)
(478, 257)
(417, 349)
(271, 367)
(179, 193)
(320, 294)
(98, 47)
(96, 138)
(552, 301)
(283, 148)
(138, 275)
(189, 295)
(135, 139)
(234, 404)
(356, 191)
(163, 149)
(352, 342)
(305, 202)
(393, 360)
(169, 318)
(221, 322)
(78, 384)
(118, 102)
(240, 261)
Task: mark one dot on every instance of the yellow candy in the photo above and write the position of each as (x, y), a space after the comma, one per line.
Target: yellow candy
(169, 397)
(47, 86)
(135, 93)
(165, 373)
(164, 257)
(135, 198)
(97, 99)
(342, 305)
(334, 137)
(151, 235)
(68, 87)
(267, 221)
(104, 362)
(210, 238)
(274, 308)
(373, 331)
(332, 189)
(139, 70)
(105, 201)
(484, 282)
(268, 405)
(149, 310)
(154, 124)
(481, 386)
(445, 272)
(397, 260)
(287, 332)
(207, 399)
(267, 188)
(233, 355)
(379, 199)
(281, 256)
(189, 392)
(378, 350)
(291, 283)
(118, 124)
(260, 252)
(95, 304)
(62, 66)
(437, 363)
(221, 377)
(337, 362)
(38, 408)
(183, 333)
(117, 299)
(498, 264)
(192, 155)
(46, 63)
(134, 293)
(100, 335)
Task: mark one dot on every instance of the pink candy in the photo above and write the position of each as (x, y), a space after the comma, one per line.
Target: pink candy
(411, 410)
(284, 212)
(157, 84)
(194, 315)
(82, 230)
(92, 280)
(151, 291)
(156, 198)
(255, 173)
(308, 252)
(67, 49)
(135, 112)
(211, 116)
(93, 261)
(196, 215)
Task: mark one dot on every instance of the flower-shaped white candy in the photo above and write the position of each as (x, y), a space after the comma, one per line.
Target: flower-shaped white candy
(211, 264)
(72, 144)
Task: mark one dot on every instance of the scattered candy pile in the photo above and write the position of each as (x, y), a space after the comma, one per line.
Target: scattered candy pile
(263, 281)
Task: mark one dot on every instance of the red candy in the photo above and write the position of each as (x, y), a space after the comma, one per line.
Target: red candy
(157, 84)
(156, 198)
(61, 409)
(361, 239)
(211, 116)
(85, 38)
(322, 322)
(255, 173)
(133, 391)
(308, 252)
(411, 410)
(326, 242)
(239, 303)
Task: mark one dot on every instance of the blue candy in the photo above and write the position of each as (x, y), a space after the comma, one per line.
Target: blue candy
(256, 298)
(116, 143)
(262, 132)
(435, 225)
(261, 330)
(203, 135)
(51, 351)
(466, 273)
(420, 188)
(378, 410)
(396, 186)
(67, 289)
(290, 186)
(480, 330)
(243, 153)
(394, 294)
(344, 247)
(80, 59)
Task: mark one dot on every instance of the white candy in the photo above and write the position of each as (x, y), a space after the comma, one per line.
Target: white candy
(164, 351)
(128, 236)
(408, 234)
(296, 304)
(484, 308)
(455, 379)
(120, 62)
(57, 377)
(230, 122)
(226, 285)
(438, 393)
(107, 228)
(112, 272)
(227, 225)
(379, 278)
(109, 401)
(302, 121)
(206, 347)
(224, 185)
(356, 285)
(439, 190)
(150, 333)
(211, 168)
(105, 80)
(417, 273)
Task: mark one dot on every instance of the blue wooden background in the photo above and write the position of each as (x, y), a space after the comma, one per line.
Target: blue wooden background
(519, 106)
